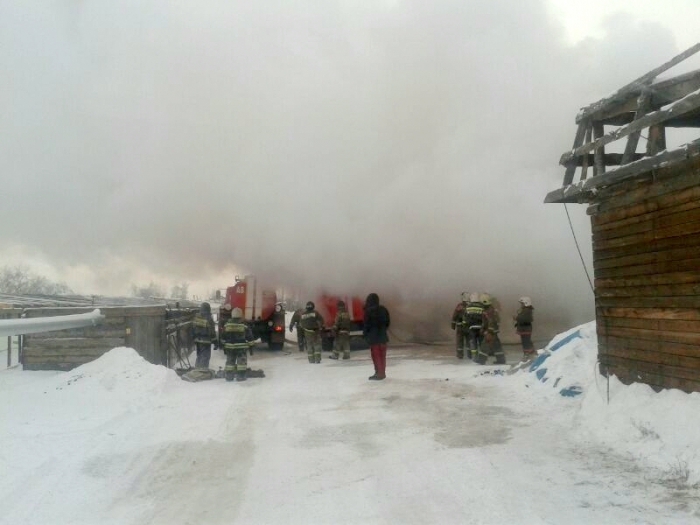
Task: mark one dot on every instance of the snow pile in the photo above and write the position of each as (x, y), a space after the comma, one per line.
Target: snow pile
(661, 430)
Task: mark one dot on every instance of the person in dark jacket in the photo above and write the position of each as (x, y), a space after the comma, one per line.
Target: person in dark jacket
(376, 323)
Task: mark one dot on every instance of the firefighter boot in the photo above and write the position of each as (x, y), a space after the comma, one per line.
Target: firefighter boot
(229, 373)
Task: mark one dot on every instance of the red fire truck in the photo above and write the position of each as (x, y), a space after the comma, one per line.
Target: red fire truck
(261, 310)
(327, 306)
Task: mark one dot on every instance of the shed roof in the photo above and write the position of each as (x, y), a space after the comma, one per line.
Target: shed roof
(647, 103)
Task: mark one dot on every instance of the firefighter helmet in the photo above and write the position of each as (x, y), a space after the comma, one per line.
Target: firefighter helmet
(474, 297)
(485, 299)
(310, 306)
(525, 301)
(341, 305)
(236, 313)
(465, 297)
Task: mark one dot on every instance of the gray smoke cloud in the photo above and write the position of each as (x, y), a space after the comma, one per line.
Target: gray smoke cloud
(403, 147)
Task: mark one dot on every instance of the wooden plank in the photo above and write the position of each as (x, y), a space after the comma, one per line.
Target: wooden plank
(571, 166)
(643, 107)
(661, 358)
(75, 360)
(599, 152)
(648, 237)
(647, 302)
(664, 181)
(677, 108)
(653, 335)
(656, 381)
(609, 159)
(661, 267)
(665, 371)
(690, 314)
(72, 342)
(688, 213)
(642, 280)
(654, 345)
(647, 258)
(669, 290)
(584, 160)
(660, 245)
(656, 141)
(664, 205)
(622, 93)
(63, 367)
(37, 354)
(584, 191)
(663, 325)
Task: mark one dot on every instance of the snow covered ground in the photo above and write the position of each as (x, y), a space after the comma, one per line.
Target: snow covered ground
(121, 441)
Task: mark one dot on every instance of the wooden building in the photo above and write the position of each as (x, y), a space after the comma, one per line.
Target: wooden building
(644, 209)
(158, 332)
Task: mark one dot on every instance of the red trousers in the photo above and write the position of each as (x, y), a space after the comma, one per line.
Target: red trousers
(379, 359)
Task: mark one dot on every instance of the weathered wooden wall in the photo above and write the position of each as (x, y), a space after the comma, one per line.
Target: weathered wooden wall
(646, 251)
(140, 328)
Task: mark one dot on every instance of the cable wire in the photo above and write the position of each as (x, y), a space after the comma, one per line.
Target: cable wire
(573, 233)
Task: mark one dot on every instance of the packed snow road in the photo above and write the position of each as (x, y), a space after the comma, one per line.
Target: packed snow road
(120, 441)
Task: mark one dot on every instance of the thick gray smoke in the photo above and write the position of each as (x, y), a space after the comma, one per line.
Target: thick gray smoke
(402, 147)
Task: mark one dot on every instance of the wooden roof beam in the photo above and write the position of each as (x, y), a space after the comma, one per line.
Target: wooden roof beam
(582, 191)
(680, 107)
(590, 112)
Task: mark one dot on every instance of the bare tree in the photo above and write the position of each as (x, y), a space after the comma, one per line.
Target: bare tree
(146, 292)
(20, 280)
(179, 291)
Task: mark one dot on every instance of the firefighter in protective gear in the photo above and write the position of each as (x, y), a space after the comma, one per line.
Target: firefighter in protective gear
(523, 326)
(341, 329)
(237, 338)
(203, 334)
(473, 320)
(312, 323)
(491, 344)
(461, 334)
(294, 322)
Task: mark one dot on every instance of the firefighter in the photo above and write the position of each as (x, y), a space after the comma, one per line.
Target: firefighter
(311, 323)
(341, 329)
(294, 322)
(523, 326)
(461, 336)
(237, 338)
(203, 333)
(473, 322)
(490, 325)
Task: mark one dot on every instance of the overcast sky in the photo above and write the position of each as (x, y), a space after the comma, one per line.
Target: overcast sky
(399, 146)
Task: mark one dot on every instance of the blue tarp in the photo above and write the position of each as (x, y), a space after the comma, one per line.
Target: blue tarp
(541, 372)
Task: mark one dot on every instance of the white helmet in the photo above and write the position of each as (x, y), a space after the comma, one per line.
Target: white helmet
(485, 299)
(465, 296)
(525, 301)
(474, 297)
(236, 313)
